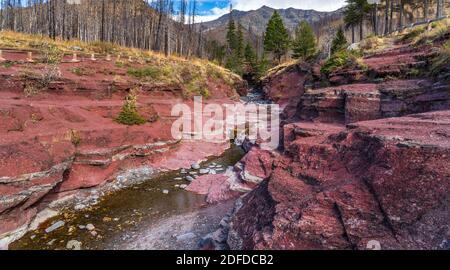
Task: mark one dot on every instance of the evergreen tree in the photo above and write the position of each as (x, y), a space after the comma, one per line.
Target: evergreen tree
(305, 44)
(355, 15)
(240, 42)
(263, 65)
(251, 60)
(276, 38)
(231, 36)
(339, 42)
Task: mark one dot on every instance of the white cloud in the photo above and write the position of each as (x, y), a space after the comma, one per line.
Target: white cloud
(213, 14)
(246, 5)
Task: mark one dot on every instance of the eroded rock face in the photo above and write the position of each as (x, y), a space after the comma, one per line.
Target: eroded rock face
(286, 87)
(63, 140)
(345, 188)
(350, 176)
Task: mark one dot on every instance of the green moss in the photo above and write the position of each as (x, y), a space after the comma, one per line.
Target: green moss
(129, 114)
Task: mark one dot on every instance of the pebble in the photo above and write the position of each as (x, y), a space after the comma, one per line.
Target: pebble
(107, 219)
(33, 236)
(81, 227)
(90, 227)
(183, 186)
(74, 245)
(193, 173)
(165, 191)
(183, 171)
(177, 186)
(195, 166)
(55, 226)
(50, 243)
(178, 179)
(204, 171)
(79, 207)
(186, 237)
(94, 233)
(190, 178)
(212, 172)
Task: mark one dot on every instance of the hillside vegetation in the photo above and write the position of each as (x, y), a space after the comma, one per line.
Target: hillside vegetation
(145, 66)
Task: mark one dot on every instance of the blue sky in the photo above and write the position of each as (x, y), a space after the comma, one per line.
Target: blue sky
(212, 9)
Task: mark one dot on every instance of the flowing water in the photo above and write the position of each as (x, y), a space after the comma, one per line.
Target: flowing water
(125, 216)
(157, 214)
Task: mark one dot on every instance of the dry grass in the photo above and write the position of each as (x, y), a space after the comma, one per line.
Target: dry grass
(372, 44)
(442, 60)
(281, 68)
(192, 73)
(439, 30)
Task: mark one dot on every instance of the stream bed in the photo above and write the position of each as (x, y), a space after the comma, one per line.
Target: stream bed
(157, 214)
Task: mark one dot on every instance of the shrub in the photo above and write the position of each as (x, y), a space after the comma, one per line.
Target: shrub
(50, 54)
(35, 82)
(371, 43)
(342, 59)
(129, 114)
(75, 137)
(48, 75)
(30, 90)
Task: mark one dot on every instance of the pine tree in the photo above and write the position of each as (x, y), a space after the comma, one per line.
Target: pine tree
(240, 42)
(339, 42)
(251, 60)
(276, 38)
(355, 15)
(263, 65)
(231, 36)
(305, 44)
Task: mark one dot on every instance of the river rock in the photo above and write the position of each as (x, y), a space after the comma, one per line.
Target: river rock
(51, 242)
(79, 207)
(186, 237)
(90, 227)
(55, 226)
(74, 245)
(195, 166)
